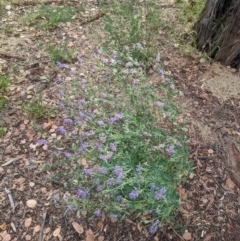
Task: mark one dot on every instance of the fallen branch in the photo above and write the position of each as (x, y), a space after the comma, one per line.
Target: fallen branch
(42, 226)
(10, 198)
(98, 16)
(10, 56)
(22, 174)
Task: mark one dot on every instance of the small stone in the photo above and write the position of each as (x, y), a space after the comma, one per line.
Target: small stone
(8, 7)
(210, 151)
(202, 61)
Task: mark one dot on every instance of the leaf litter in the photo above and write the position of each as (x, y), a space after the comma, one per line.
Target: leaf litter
(201, 197)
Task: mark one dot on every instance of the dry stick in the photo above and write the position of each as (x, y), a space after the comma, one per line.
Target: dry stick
(30, 178)
(11, 56)
(10, 198)
(42, 226)
(98, 16)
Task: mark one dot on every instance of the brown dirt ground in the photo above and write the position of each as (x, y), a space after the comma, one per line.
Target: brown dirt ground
(209, 200)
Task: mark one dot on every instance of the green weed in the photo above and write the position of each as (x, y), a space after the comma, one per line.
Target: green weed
(7, 30)
(48, 17)
(4, 83)
(36, 108)
(130, 153)
(61, 53)
(2, 131)
(130, 22)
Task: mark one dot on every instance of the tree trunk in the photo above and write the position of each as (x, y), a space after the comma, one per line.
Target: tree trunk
(218, 31)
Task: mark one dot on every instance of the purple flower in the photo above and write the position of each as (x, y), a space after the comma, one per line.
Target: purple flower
(112, 119)
(69, 207)
(138, 45)
(89, 133)
(100, 122)
(154, 226)
(56, 197)
(133, 194)
(119, 198)
(51, 174)
(99, 188)
(61, 65)
(59, 80)
(41, 142)
(117, 170)
(99, 51)
(119, 178)
(102, 170)
(67, 121)
(102, 137)
(155, 148)
(93, 67)
(160, 72)
(152, 186)
(80, 102)
(67, 154)
(81, 193)
(83, 147)
(159, 193)
(80, 60)
(106, 157)
(179, 144)
(128, 64)
(97, 213)
(110, 182)
(138, 168)
(159, 104)
(113, 146)
(135, 81)
(112, 60)
(61, 130)
(158, 211)
(98, 145)
(172, 86)
(113, 216)
(170, 150)
(60, 92)
(88, 171)
(61, 105)
(158, 58)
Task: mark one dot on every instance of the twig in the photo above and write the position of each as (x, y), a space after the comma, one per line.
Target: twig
(98, 16)
(42, 226)
(10, 56)
(10, 161)
(30, 178)
(10, 198)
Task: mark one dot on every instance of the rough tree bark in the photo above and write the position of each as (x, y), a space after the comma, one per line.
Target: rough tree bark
(218, 31)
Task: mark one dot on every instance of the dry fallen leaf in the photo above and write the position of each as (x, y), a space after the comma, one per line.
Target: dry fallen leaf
(139, 226)
(230, 183)
(100, 238)
(36, 229)
(89, 235)
(78, 228)
(57, 231)
(47, 230)
(3, 226)
(27, 222)
(28, 237)
(31, 203)
(187, 236)
(5, 236)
